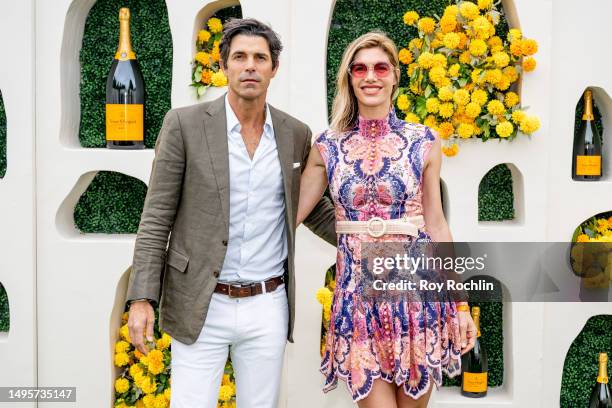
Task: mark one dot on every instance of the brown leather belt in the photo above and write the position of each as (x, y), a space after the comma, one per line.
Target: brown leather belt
(256, 288)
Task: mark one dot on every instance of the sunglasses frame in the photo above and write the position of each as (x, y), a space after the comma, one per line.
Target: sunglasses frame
(370, 68)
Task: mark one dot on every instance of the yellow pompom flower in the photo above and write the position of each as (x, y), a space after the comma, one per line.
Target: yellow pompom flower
(583, 238)
(452, 10)
(164, 342)
(465, 57)
(448, 23)
(214, 25)
(206, 76)
(501, 59)
(430, 121)
(323, 294)
(156, 367)
(440, 60)
(122, 385)
(478, 47)
(451, 150)
(121, 359)
(124, 333)
(402, 102)
(427, 25)
(493, 76)
(445, 93)
(167, 393)
(203, 58)
(469, 10)
(518, 116)
(480, 97)
(148, 385)
(225, 393)
(412, 118)
(411, 68)
(405, 56)
(495, 107)
(437, 74)
(529, 47)
(529, 124)
(215, 54)
(410, 17)
(503, 84)
(160, 401)
(226, 380)
(451, 40)
(135, 370)
(415, 43)
(149, 401)
(477, 76)
(446, 110)
(465, 130)
(445, 130)
(432, 105)
(463, 40)
(426, 60)
(203, 36)
(453, 71)
(504, 129)
(218, 79)
(472, 109)
(484, 4)
(435, 44)
(461, 97)
(511, 73)
(140, 404)
(122, 346)
(481, 26)
(529, 64)
(515, 48)
(511, 99)
(514, 34)
(494, 41)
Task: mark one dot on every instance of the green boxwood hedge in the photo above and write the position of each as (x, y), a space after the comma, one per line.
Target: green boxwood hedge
(2, 138)
(5, 321)
(152, 43)
(495, 195)
(581, 363)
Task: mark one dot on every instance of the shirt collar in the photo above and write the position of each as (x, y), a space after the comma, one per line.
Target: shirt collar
(233, 124)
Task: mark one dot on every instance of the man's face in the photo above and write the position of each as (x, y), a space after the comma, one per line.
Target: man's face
(249, 66)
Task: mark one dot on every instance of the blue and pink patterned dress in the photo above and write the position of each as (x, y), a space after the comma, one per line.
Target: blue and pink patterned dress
(376, 170)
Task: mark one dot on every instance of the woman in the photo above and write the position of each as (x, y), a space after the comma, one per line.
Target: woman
(379, 167)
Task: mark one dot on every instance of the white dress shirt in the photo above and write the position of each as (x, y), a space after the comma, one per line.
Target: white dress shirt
(257, 245)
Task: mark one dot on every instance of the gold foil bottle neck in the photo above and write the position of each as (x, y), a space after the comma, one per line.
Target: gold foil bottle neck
(588, 105)
(124, 51)
(602, 377)
(124, 13)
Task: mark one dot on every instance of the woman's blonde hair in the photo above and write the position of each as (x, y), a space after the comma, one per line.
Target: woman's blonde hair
(345, 110)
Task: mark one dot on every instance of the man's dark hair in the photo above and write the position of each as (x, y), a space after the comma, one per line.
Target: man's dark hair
(249, 26)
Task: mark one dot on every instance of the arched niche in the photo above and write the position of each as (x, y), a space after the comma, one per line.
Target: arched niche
(501, 195)
(91, 33)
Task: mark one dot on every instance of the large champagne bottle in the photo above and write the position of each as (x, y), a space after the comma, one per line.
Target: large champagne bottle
(586, 160)
(125, 94)
(601, 397)
(474, 365)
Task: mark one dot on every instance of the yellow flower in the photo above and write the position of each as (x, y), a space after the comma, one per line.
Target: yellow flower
(495, 107)
(440, 60)
(432, 105)
(510, 73)
(124, 317)
(484, 4)
(451, 40)
(515, 48)
(437, 74)
(121, 359)
(448, 23)
(122, 385)
(149, 401)
(478, 47)
(461, 97)
(426, 60)
(514, 34)
(481, 26)
(416, 43)
(529, 64)
(412, 118)
(469, 10)
(203, 36)
(203, 58)
(148, 385)
(402, 102)
(465, 57)
(160, 401)
(446, 110)
(405, 56)
(206, 76)
(465, 130)
(493, 76)
(463, 39)
(156, 367)
(214, 25)
(164, 341)
(122, 346)
(453, 71)
(427, 25)
(451, 10)
(480, 97)
(445, 93)
(430, 121)
(529, 47)
(215, 53)
(450, 151)
(156, 356)
(410, 17)
(415, 88)
(477, 76)
(225, 393)
(529, 124)
(583, 238)
(511, 99)
(602, 226)
(445, 130)
(167, 393)
(140, 404)
(504, 129)
(226, 379)
(135, 370)
(411, 68)
(503, 83)
(518, 116)
(218, 79)
(472, 109)
(494, 42)
(501, 59)
(124, 332)
(323, 294)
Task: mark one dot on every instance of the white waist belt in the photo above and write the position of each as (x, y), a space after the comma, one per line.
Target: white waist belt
(378, 227)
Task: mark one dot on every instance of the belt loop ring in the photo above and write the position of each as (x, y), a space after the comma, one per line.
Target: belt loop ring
(383, 230)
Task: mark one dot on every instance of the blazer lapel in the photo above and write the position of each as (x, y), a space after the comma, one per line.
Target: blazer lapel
(284, 145)
(215, 130)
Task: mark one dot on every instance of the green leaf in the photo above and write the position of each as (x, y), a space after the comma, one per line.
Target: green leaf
(202, 90)
(421, 109)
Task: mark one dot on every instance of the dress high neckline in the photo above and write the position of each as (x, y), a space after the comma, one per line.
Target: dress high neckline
(376, 127)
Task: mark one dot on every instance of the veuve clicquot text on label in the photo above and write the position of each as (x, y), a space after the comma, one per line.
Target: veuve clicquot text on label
(125, 94)
(474, 365)
(601, 397)
(586, 160)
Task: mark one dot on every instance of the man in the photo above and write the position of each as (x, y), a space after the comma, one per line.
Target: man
(225, 187)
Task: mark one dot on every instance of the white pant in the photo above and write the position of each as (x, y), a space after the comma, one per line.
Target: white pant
(254, 330)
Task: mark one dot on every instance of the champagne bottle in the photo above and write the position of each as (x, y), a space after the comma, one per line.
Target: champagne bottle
(586, 160)
(125, 94)
(601, 397)
(474, 365)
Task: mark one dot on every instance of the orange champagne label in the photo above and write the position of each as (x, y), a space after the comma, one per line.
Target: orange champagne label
(124, 122)
(474, 382)
(588, 165)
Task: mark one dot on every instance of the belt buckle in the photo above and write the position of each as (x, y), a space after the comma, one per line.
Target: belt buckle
(229, 290)
(382, 231)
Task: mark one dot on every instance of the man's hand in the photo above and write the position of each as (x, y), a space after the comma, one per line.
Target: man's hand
(141, 320)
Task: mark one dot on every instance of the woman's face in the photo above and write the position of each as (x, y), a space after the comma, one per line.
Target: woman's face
(373, 88)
